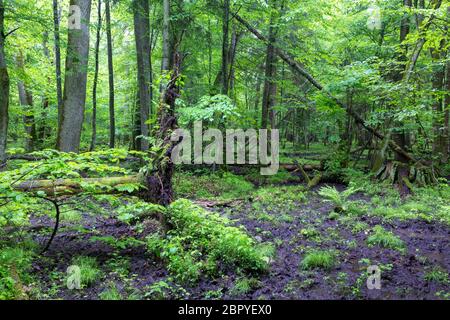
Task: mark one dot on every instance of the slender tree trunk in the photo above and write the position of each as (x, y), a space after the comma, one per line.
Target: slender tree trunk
(258, 92)
(44, 130)
(399, 135)
(270, 87)
(59, 93)
(446, 129)
(142, 37)
(26, 101)
(4, 88)
(225, 53)
(236, 36)
(438, 86)
(69, 132)
(112, 118)
(94, 88)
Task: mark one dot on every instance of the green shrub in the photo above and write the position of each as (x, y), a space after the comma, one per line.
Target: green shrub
(385, 239)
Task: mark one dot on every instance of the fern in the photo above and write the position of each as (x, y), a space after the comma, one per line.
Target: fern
(339, 199)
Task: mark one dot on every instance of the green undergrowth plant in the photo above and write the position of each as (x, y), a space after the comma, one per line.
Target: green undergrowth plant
(322, 259)
(385, 239)
(111, 293)
(438, 275)
(200, 240)
(277, 199)
(282, 176)
(136, 209)
(339, 199)
(89, 270)
(244, 286)
(218, 185)
(15, 263)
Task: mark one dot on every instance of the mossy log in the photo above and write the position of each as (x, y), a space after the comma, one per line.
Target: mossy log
(64, 187)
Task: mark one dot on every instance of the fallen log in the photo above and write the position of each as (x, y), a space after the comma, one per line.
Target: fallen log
(65, 187)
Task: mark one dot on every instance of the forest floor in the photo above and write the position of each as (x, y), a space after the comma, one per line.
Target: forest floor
(319, 253)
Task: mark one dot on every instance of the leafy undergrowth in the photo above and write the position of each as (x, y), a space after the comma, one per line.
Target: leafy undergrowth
(269, 242)
(200, 241)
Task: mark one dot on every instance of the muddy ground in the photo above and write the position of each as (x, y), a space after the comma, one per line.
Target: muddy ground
(132, 270)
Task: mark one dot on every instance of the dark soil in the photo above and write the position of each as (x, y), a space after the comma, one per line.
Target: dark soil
(428, 246)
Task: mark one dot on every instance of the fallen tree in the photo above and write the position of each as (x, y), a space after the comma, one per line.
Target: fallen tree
(66, 187)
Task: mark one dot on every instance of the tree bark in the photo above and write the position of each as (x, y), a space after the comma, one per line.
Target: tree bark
(270, 86)
(446, 129)
(142, 37)
(56, 19)
(112, 118)
(26, 101)
(44, 129)
(225, 44)
(159, 181)
(69, 132)
(94, 88)
(236, 36)
(399, 135)
(4, 88)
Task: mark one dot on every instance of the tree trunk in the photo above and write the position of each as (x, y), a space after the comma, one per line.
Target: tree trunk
(69, 132)
(44, 130)
(159, 181)
(399, 135)
(26, 101)
(4, 88)
(446, 129)
(270, 86)
(56, 19)
(236, 36)
(225, 53)
(94, 88)
(112, 118)
(142, 37)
